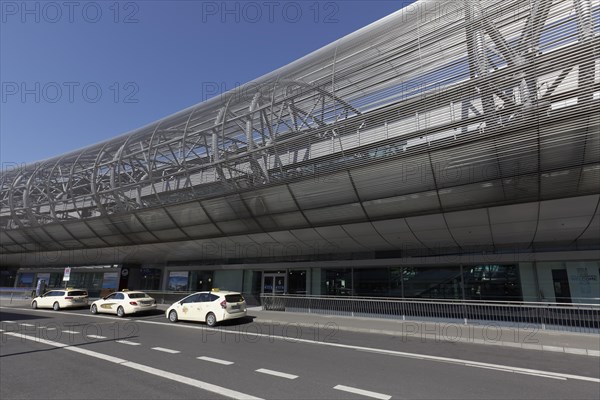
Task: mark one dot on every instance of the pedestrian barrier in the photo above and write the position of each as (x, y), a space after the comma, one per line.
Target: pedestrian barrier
(574, 317)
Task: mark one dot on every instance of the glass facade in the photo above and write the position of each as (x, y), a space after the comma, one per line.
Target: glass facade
(480, 282)
(565, 282)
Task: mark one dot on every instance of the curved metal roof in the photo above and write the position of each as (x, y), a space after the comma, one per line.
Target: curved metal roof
(440, 107)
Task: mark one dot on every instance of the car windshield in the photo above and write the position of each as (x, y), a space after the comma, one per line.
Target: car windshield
(137, 295)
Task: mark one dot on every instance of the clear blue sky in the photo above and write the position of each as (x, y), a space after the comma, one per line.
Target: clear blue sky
(74, 74)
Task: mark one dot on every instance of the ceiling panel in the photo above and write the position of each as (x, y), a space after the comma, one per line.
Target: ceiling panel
(156, 219)
(324, 191)
(188, 214)
(431, 230)
(471, 195)
(397, 233)
(366, 235)
(238, 226)
(58, 232)
(402, 205)
(335, 214)
(270, 201)
(583, 206)
(392, 178)
(560, 229)
(219, 210)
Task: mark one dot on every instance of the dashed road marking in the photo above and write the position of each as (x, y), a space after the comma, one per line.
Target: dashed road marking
(166, 350)
(215, 360)
(70, 332)
(128, 342)
(362, 392)
(209, 387)
(96, 336)
(27, 324)
(276, 373)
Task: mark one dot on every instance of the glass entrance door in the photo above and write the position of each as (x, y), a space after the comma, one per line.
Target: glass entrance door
(274, 284)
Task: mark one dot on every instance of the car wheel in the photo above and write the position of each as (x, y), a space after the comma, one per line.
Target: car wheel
(120, 312)
(211, 320)
(34, 305)
(94, 309)
(56, 306)
(173, 316)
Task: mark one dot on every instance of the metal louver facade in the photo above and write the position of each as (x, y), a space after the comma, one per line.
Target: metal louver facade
(447, 127)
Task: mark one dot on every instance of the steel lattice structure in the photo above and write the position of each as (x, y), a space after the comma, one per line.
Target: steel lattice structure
(490, 102)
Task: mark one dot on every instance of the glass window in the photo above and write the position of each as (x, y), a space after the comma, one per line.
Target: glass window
(432, 282)
(338, 282)
(78, 293)
(25, 280)
(137, 295)
(150, 278)
(110, 296)
(213, 297)
(492, 282)
(201, 281)
(371, 282)
(204, 297)
(191, 299)
(296, 282)
(234, 298)
(119, 296)
(178, 281)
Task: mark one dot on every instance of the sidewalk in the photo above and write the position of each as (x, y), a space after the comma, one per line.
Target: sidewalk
(495, 335)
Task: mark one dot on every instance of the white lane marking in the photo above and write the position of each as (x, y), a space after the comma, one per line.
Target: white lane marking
(448, 360)
(215, 360)
(1, 330)
(519, 372)
(63, 312)
(8, 322)
(128, 342)
(166, 350)
(477, 364)
(27, 324)
(96, 336)
(144, 368)
(362, 392)
(276, 373)
(50, 329)
(70, 332)
(457, 361)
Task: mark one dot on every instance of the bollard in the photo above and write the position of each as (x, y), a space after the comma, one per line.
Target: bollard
(11, 295)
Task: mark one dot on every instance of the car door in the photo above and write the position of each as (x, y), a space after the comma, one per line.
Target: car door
(206, 305)
(46, 299)
(186, 307)
(110, 303)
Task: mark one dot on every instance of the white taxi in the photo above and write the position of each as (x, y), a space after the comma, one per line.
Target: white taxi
(124, 302)
(210, 307)
(63, 298)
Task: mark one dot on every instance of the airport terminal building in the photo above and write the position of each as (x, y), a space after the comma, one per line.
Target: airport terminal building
(450, 150)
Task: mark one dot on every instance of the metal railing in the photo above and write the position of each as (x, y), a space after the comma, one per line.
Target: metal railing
(16, 293)
(574, 317)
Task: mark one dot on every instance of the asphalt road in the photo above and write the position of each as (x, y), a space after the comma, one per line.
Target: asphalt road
(72, 354)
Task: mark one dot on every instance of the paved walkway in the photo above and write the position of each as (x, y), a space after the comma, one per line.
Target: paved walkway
(494, 335)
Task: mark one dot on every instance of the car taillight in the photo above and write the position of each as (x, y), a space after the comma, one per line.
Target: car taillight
(133, 303)
(68, 298)
(224, 304)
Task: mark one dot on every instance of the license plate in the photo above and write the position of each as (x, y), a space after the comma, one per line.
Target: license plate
(235, 307)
